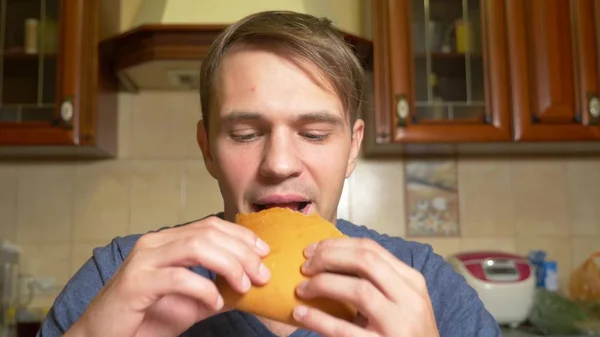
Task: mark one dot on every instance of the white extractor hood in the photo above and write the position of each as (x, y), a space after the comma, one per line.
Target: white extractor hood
(161, 43)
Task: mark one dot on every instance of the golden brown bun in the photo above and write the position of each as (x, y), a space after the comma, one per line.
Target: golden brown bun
(288, 233)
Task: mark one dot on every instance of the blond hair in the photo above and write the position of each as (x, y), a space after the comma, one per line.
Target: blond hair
(304, 37)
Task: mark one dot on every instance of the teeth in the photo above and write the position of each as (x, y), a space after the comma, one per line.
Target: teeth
(296, 206)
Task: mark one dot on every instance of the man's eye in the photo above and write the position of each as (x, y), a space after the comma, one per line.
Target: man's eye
(246, 137)
(315, 137)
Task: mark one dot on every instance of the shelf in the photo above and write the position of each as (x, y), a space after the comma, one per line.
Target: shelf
(26, 57)
(449, 64)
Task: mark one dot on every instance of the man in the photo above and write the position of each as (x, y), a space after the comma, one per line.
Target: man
(280, 94)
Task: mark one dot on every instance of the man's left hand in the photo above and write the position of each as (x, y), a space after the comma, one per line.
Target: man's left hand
(391, 297)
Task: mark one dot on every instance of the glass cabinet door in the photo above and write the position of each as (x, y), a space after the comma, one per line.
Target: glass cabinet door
(443, 71)
(448, 61)
(28, 60)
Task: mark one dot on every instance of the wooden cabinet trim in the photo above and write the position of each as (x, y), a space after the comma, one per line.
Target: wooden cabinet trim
(524, 84)
(393, 48)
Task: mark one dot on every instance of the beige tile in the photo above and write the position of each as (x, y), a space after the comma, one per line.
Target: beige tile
(8, 201)
(558, 249)
(125, 127)
(485, 198)
(502, 244)
(164, 125)
(583, 248)
(157, 194)
(583, 196)
(201, 192)
(441, 246)
(45, 203)
(344, 211)
(47, 261)
(540, 197)
(377, 196)
(101, 204)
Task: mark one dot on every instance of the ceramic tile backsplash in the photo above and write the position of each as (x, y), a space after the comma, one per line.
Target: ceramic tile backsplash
(59, 212)
(583, 196)
(8, 201)
(540, 197)
(45, 203)
(486, 206)
(101, 203)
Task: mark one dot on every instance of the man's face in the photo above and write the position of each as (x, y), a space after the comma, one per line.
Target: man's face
(279, 136)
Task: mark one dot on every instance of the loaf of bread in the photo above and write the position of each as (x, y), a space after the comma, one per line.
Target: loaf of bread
(288, 233)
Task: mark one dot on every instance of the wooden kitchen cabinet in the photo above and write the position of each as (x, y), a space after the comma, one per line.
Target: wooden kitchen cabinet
(554, 69)
(55, 97)
(507, 76)
(440, 71)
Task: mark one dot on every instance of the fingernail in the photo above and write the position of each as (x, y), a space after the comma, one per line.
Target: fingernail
(245, 283)
(219, 302)
(302, 287)
(310, 249)
(262, 246)
(300, 311)
(264, 272)
(305, 265)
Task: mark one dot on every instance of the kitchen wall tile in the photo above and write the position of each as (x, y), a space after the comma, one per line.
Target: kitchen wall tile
(377, 196)
(488, 243)
(485, 198)
(583, 248)
(583, 195)
(344, 209)
(441, 246)
(125, 126)
(557, 248)
(201, 192)
(102, 201)
(45, 203)
(8, 201)
(157, 194)
(48, 261)
(164, 125)
(540, 197)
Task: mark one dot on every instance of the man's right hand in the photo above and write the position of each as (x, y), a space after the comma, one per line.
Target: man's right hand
(154, 293)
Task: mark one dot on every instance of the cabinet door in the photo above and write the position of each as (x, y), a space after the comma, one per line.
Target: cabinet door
(553, 51)
(441, 71)
(41, 67)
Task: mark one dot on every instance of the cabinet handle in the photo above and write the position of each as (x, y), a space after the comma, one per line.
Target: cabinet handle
(402, 109)
(66, 111)
(594, 109)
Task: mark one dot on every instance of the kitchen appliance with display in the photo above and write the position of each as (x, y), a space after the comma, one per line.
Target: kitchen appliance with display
(505, 283)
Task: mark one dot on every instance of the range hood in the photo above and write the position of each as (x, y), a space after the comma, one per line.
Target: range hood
(160, 44)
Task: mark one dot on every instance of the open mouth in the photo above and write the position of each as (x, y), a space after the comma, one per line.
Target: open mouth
(301, 207)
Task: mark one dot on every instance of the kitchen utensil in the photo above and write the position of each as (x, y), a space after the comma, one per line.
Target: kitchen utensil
(504, 282)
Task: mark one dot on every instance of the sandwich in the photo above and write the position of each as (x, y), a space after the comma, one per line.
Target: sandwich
(288, 233)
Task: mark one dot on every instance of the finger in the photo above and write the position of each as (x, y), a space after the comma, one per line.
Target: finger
(364, 263)
(177, 280)
(327, 325)
(230, 258)
(360, 293)
(413, 277)
(243, 234)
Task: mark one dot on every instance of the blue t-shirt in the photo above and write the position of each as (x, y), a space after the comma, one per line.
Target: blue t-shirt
(457, 307)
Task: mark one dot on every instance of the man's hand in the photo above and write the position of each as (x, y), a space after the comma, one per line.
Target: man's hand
(155, 294)
(392, 298)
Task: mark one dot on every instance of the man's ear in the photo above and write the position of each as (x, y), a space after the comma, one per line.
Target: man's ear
(358, 131)
(202, 138)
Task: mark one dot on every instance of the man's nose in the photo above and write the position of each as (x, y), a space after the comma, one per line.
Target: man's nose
(281, 159)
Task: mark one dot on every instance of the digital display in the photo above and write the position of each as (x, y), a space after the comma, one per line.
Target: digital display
(501, 271)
